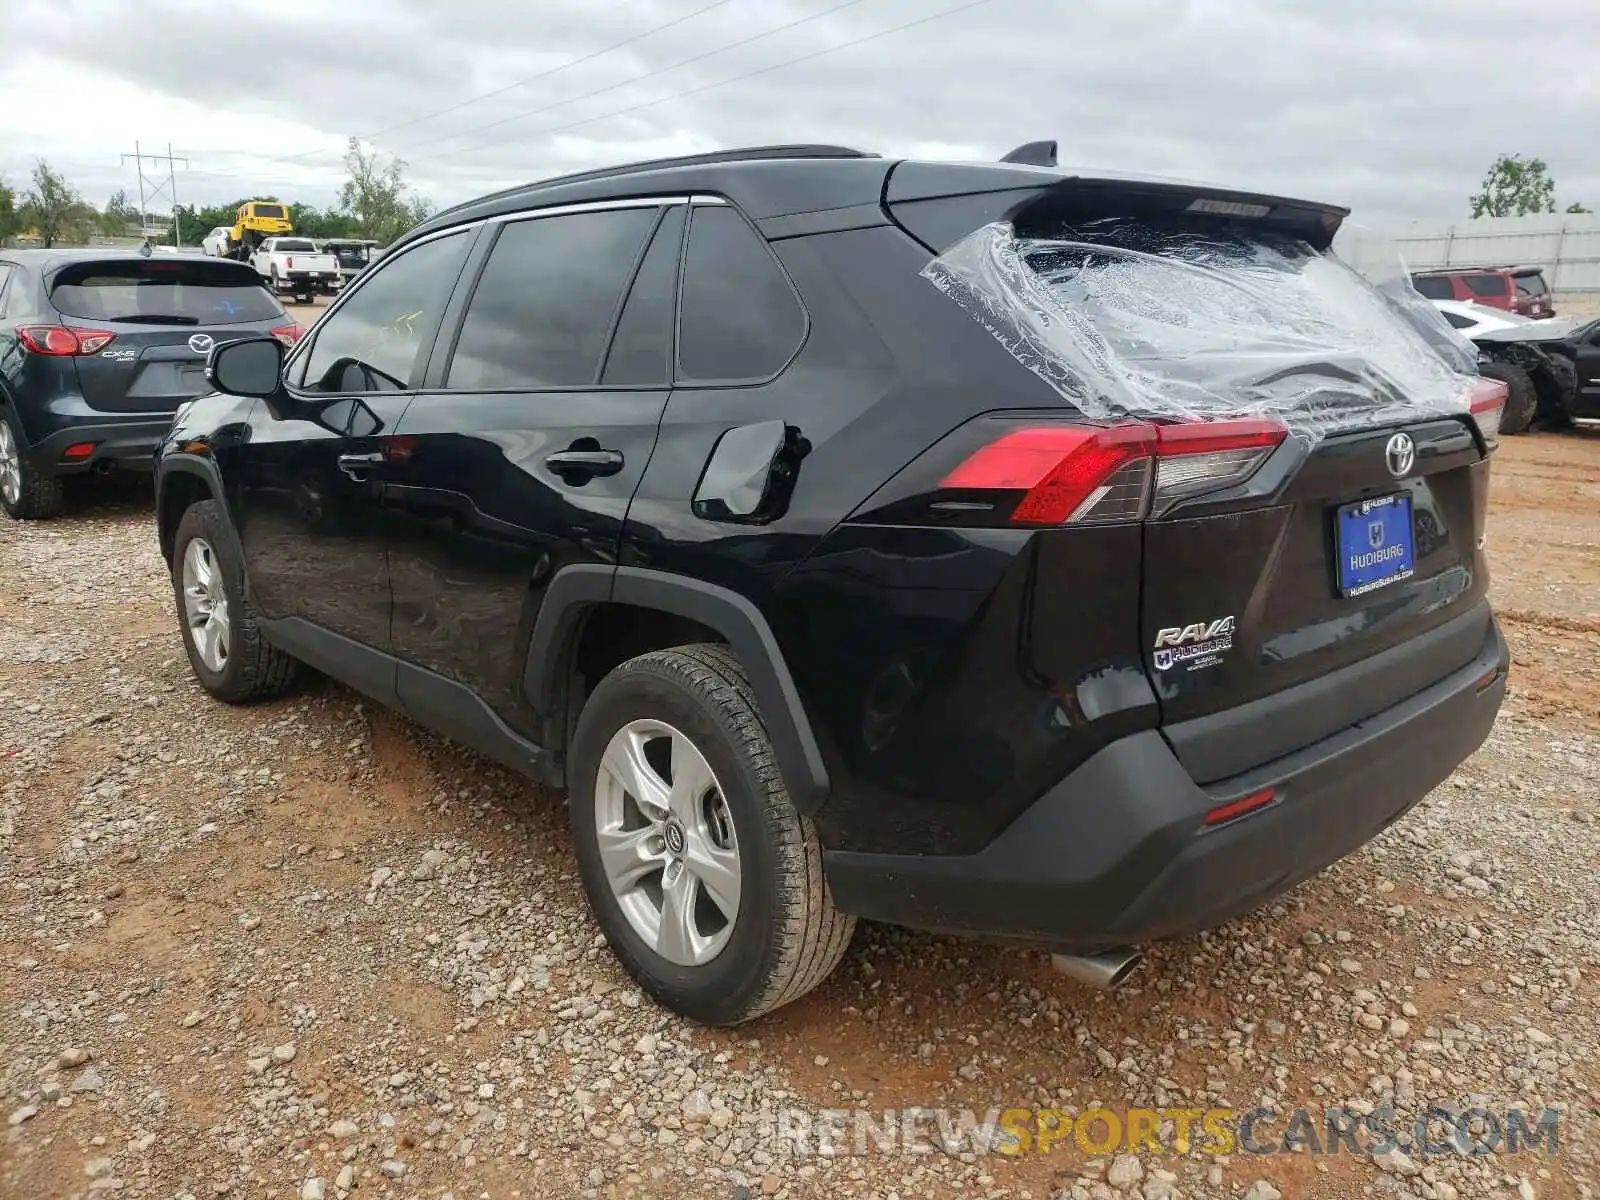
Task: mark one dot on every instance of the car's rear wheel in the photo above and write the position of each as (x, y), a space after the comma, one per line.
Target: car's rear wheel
(706, 881)
(26, 493)
(226, 650)
(1523, 398)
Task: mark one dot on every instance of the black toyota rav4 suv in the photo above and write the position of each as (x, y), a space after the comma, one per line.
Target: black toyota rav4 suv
(986, 548)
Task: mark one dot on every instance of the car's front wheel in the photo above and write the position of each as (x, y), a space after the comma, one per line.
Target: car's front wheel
(705, 879)
(226, 650)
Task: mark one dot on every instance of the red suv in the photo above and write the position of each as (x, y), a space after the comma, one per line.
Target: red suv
(1516, 289)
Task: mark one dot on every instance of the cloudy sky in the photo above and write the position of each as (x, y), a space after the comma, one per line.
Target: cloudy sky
(1394, 107)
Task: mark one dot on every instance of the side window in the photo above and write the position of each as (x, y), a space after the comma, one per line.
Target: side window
(1488, 285)
(5, 278)
(543, 308)
(738, 316)
(641, 349)
(1434, 287)
(373, 343)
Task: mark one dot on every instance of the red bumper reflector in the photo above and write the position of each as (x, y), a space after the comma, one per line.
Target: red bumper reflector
(1488, 681)
(80, 450)
(1238, 808)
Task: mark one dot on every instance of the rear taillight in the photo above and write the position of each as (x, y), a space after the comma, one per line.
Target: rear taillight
(1486, 399)
(59, 341)
(288, 334)
(291, 262)
(1072, 474)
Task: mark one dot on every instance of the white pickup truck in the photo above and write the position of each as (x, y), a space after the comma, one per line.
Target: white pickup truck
(294, 266)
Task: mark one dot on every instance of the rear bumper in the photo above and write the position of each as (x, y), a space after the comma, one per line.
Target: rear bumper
(1118, 851)
(120, 445)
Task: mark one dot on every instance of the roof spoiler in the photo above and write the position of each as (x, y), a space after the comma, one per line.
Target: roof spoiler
(939, 203)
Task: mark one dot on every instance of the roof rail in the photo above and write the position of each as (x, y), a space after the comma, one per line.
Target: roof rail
(747, 154)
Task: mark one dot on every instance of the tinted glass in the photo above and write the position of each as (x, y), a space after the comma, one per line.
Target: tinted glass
(175, 291)
(543, 308)
(269, 210)
(297, 245)
(641, 350)
(738, 318)
(376, 338)
(1434, 287)
(1487, 285)
(1531, 285)
(1458, 321)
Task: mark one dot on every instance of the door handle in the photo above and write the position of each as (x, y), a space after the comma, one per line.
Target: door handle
(356, 466)
(585, 462)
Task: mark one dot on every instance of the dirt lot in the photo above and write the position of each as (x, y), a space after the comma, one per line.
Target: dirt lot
(306, 950)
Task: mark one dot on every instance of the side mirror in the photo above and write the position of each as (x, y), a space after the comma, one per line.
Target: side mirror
(252, 367)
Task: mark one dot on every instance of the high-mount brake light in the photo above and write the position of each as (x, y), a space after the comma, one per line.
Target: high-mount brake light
(1486, 399)
(61, 341)
(1075, 474)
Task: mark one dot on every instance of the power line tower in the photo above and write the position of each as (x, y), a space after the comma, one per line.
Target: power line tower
(151, 185)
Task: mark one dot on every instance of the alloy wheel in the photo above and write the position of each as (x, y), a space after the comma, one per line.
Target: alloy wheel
(205, 604)
(667, 842)
(10, 466)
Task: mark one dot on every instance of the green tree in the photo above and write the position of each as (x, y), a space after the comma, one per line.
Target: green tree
(50, 205)
(1578, 208)
(313, 222)
(1514, 187)
(10, 222)
(375, 195)
(120, 215)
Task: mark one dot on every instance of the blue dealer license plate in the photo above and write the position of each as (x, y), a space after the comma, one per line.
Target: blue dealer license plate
(1374, 542)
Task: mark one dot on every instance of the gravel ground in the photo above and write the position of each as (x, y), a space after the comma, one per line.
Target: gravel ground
(307, 950)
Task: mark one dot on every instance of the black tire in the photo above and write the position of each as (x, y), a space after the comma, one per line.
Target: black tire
(788, 935)
(39, 496)
(254, 669)
(1523, 400)
(1557, 388)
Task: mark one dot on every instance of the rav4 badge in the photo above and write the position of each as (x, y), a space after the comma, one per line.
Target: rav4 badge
(1195, 646)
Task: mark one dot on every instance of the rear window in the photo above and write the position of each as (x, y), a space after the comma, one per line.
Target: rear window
(269, 210)
(293, 246)
(1434, 287)
(1193, 318)
(1531, 284)
(1487, 285)
(170, 291)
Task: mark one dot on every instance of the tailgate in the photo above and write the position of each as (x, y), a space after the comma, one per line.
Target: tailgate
(1340, 561)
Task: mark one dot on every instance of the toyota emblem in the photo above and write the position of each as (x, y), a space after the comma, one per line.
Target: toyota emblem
(201, 343)
(1400, 454)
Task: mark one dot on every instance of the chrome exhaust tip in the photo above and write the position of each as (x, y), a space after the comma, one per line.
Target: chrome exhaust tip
(1104, 970)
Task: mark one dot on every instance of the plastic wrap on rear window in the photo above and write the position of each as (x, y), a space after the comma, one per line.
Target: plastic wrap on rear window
(1189, 320)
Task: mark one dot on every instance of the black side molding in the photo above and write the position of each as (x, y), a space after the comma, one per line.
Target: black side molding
(457, 712)
(370, 672)
(727, 612)
(442, 705)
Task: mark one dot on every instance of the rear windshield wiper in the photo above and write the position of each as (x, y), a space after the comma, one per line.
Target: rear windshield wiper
(157, 319)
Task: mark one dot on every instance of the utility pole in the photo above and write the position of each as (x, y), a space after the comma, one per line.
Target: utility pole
(151, 185)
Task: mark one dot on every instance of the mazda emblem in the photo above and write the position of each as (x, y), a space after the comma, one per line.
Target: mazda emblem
(1400, 454)
(201, 343)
